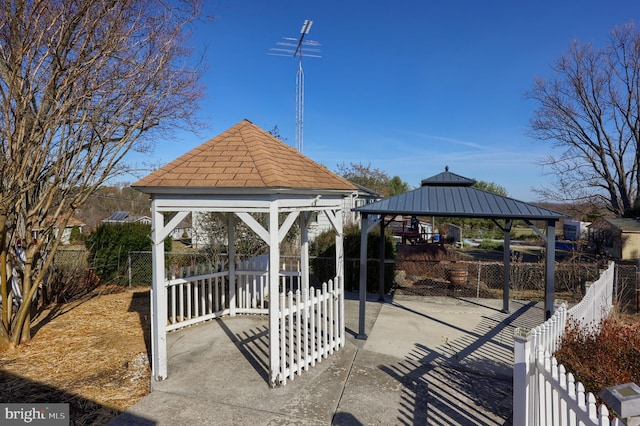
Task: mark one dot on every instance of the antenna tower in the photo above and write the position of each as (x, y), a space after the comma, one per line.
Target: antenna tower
(298, 47)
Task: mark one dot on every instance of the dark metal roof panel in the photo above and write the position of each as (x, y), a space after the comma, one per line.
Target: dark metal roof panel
(458, 201)
(447, 178)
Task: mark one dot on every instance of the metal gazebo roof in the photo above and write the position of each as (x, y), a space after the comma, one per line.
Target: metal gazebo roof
(450, 195)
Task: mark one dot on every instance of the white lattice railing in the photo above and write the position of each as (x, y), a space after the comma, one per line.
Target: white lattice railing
(543, 392)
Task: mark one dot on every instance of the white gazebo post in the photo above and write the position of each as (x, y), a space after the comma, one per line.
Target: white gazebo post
(274, 294)
(339, 226)
(303, 223)
(158, 296)
(231, 245)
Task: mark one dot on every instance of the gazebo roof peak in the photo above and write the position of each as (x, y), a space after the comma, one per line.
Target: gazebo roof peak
(243, 156)
(448, 178)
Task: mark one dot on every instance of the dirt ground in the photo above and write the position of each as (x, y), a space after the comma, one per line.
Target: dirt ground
(92, 354)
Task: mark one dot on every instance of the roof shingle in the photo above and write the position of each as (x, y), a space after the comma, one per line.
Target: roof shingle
(244, 156)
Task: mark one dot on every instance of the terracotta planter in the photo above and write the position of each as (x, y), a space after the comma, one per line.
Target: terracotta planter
(458, 275)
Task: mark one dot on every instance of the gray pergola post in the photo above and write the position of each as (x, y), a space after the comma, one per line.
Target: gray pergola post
(550, 266)
(382, 257)
(364, 226)
(507, 265)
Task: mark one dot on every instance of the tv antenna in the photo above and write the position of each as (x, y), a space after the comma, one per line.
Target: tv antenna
(298, 47)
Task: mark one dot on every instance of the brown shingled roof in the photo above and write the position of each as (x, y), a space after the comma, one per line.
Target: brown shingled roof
(244, 156)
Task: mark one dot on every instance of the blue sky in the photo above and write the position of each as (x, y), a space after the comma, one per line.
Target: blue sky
(406, 86)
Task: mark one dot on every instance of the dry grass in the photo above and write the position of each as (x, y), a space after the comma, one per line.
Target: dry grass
(90, 353)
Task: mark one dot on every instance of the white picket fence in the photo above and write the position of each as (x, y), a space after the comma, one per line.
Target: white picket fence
(310, 320)
(311, 327)
(561, 400)
(544, 393)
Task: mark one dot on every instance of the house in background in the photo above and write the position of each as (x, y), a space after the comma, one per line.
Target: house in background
(360, 198)
(619, 238)
(118, 218)
(66, 232)
(182, 232)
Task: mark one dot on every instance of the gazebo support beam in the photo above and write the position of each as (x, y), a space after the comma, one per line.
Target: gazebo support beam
(364, 233)
(339, 227)
(303, 224)
(550, 264)
(231, 244)
(274, 294)
(159, 296)
(381, 259)
(507, 265)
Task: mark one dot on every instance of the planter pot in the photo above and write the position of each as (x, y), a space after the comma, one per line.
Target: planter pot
(458, 276)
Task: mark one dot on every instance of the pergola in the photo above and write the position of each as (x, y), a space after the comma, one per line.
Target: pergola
(240, 174)
(450, 195)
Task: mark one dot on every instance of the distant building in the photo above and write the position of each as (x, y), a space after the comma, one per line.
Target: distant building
(616, 237)
(119, 218)
(66, 232)
(360, 198)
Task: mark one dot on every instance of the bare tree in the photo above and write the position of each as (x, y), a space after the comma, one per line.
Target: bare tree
(590, 110)
(82, 82)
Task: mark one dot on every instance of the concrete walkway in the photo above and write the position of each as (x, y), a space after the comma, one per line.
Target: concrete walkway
(436, 361)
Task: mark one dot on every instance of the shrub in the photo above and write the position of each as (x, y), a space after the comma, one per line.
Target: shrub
(110, 245)
(323, 265)
(76, 235)
(602, 357)
(491, 245)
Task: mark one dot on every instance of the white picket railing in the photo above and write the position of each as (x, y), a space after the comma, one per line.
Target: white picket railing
(543, 392)
(203, 292)
(311, 327)
(310, 321)
(197, 294)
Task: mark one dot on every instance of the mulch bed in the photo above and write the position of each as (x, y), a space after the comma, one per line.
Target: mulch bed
(92, 354)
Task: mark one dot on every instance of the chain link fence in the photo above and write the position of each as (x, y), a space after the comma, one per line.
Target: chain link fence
(485, 279)
(139, 268)
(527, 280)
(421, 277)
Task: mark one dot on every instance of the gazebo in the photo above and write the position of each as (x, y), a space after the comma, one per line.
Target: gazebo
(247, 174)
(450, 195)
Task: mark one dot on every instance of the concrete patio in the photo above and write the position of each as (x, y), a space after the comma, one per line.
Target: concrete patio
(437, 361)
